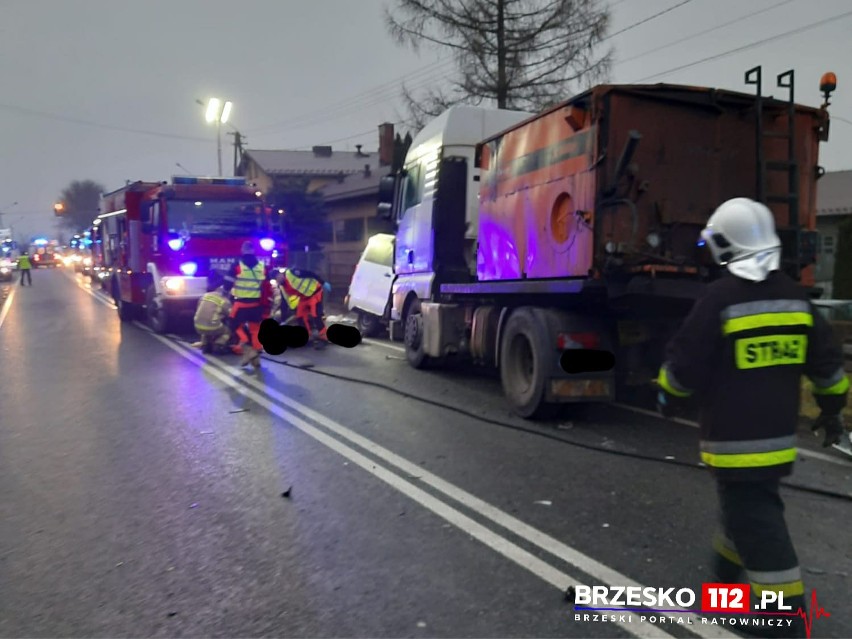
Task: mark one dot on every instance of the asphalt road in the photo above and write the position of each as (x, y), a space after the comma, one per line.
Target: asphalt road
(141, 494)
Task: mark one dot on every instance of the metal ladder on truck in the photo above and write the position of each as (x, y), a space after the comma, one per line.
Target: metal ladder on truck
(799, 249)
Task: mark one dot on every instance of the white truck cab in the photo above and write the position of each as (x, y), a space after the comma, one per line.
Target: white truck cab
(455, 133)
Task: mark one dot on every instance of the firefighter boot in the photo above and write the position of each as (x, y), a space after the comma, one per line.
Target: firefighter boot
(248, 354)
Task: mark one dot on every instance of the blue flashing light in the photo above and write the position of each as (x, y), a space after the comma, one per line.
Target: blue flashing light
(229, 181)
(189, 268)
(267, 244)
(701, 243)
(40, 242)
(176, 244)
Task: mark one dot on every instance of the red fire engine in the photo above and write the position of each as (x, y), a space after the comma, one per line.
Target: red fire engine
(160, 241)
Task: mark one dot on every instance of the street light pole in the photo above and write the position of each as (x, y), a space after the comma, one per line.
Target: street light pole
(219, 112)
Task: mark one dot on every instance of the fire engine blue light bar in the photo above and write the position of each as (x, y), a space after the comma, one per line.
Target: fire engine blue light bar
(187, 179)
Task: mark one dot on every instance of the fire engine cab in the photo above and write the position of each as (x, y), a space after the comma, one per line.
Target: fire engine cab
(160, 241)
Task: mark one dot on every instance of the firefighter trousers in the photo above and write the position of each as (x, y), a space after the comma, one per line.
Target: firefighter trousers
(247, 314)
(754, 542)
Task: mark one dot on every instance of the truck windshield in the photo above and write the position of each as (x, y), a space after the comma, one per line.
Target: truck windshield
(214, 218)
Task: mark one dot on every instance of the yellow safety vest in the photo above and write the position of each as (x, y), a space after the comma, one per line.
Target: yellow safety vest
(24, 262)
(248, 281)
(307, 286)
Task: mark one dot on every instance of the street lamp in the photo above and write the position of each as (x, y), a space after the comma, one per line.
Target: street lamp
(58, 209)
(218, 112)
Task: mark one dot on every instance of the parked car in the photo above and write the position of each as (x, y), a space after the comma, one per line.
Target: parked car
(370, 289)
(7, 269)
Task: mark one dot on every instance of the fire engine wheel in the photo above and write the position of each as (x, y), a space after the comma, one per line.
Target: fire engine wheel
(524, 359)
(158, 317)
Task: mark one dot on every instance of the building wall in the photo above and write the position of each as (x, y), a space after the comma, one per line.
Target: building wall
(353, 222)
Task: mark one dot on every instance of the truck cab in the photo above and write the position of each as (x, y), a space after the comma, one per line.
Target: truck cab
(410, 198)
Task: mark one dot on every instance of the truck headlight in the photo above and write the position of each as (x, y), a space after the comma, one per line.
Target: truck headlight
(173, 284)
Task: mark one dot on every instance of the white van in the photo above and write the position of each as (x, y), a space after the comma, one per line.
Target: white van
(369, 291)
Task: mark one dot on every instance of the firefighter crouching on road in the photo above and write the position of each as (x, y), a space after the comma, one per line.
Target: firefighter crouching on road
(247, 282)
(303, 292)
(212, 317)
(741, 352)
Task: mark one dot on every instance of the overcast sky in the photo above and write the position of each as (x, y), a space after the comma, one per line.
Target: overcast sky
(107, 89)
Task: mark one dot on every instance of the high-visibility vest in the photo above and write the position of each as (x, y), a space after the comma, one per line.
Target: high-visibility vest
(305, 286)
(24, 262)
(248, 281)
(212, 308)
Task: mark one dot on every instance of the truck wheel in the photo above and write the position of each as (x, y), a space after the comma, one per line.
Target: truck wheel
(126, 312)
(414, 339)
(368, 324)
(524, 364)
(158, 318)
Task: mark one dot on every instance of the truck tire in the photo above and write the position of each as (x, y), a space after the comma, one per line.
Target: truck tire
(158, 317)
(414, 339)
(525, 361)
(127, 312)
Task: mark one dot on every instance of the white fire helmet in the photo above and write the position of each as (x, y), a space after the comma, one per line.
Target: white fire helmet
(741, 236)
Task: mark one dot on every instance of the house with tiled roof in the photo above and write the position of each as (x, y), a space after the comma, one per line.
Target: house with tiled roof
(349, 184)
(834, 205)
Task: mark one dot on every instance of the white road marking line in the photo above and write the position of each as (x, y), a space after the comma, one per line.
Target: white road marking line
(7, 305)
(804, 452)
(590, 566)
(392, 347)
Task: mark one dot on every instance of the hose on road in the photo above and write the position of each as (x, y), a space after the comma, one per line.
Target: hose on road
(539, 433)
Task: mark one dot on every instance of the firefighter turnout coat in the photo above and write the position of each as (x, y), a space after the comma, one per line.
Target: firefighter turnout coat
(742, 351)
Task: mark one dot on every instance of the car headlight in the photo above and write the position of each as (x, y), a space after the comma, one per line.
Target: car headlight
(87, 261)
(4, 270)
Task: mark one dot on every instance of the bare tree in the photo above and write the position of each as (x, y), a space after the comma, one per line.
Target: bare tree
(519, 54)
(80, 201)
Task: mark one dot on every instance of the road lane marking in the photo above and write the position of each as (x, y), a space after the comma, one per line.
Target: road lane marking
(590, 566)
(7, 304)
(686, 422)
(392, 347)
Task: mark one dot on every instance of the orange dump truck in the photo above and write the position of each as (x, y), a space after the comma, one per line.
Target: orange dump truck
(563, 248)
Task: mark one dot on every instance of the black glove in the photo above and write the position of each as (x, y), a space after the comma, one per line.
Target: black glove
(833, 426)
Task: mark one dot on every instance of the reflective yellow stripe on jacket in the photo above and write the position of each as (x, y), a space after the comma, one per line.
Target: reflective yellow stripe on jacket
(248, 282)
(768, 350)
(752, 453)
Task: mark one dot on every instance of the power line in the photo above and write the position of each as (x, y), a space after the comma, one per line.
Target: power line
(648, 19)
(431, 72)
(704, 32)
(64, 118)
(778, 36)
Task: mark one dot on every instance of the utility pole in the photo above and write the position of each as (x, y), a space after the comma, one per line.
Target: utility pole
(238, 148)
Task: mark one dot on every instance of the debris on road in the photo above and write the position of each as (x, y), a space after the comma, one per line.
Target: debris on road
(286, 493)
(604, 525)
(195, 505)
(543, 502)
(239, 410)
(565, 426)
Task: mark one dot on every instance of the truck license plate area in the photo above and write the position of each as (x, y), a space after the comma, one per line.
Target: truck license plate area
(580, 388)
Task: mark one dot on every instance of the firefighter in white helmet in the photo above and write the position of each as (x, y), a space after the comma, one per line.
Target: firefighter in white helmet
(741, 353)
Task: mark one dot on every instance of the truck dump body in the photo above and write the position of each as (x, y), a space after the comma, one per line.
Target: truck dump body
(558, 200)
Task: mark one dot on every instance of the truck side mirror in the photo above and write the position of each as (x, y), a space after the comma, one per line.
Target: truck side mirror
(384, 210)
(387, 188)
